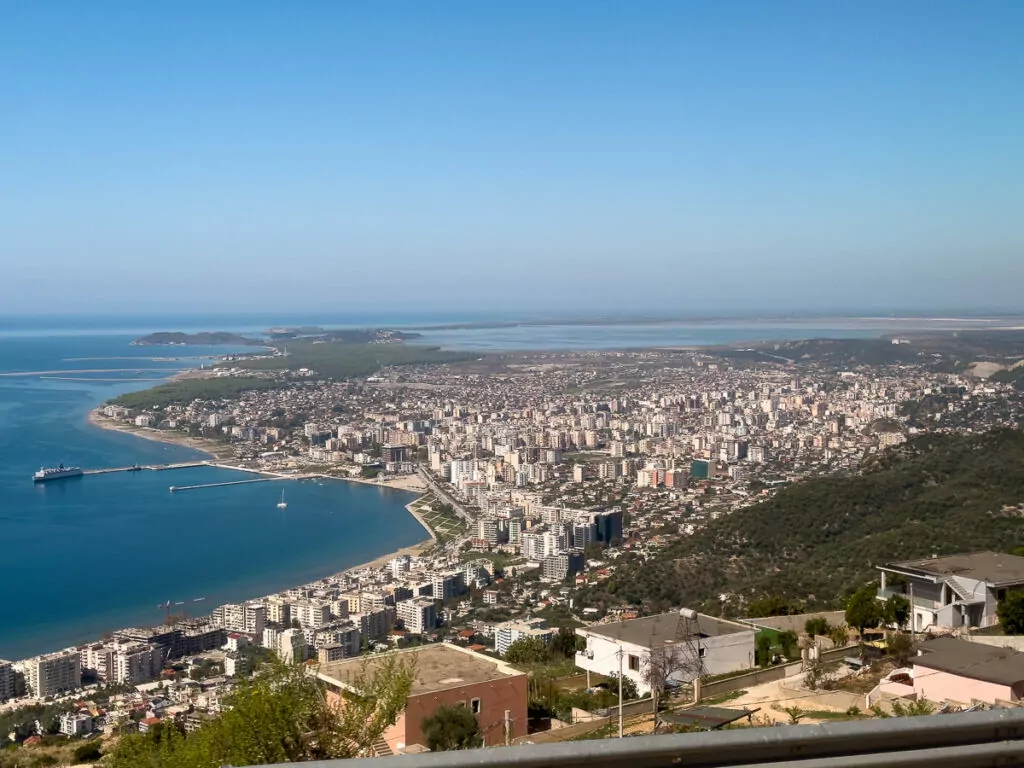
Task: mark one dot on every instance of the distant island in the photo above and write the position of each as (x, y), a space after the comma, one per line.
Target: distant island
(206, 338)
(344, 335)
(306, 333)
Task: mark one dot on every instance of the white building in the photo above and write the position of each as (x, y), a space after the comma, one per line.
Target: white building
(419, 615)
(399, 566)
(235, 664)
(136, 663)
(243, 617)
(312, 614)
(507, 633)
(75, 724)
(343, 635)
(291, 646)
(722, 646)
(53, 673)
(448, 585)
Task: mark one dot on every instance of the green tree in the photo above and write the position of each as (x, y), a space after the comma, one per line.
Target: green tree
(527, 650)
(863, 610)
(88, 752)
(901, 647)
(788, 644)
(770, 605)
(816, 626)
(565, 643)
(896, 611)
(839, 635)
(280, 716)
(452, 727)
(629, 689)
(1010, 611)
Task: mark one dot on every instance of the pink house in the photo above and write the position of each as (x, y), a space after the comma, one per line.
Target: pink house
(964, 672)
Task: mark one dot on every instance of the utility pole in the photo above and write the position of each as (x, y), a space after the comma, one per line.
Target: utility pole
(508, 727)
(912, 617)
(619, 654)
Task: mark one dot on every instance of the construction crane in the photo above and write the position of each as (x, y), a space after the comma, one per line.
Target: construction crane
(167, 609)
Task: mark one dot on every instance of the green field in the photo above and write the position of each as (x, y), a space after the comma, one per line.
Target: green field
(442, 520)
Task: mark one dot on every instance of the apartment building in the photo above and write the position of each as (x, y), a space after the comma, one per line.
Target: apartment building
(53, 673)
(6, 680)
(507, 633)
(419, 615)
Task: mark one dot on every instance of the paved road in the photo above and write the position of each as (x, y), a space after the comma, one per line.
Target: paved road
(446, 497)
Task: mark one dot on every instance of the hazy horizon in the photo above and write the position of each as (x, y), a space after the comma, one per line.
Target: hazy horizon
(717, 159)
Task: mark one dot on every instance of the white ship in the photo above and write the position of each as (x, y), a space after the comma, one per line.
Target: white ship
(282, 504)
(56, 473)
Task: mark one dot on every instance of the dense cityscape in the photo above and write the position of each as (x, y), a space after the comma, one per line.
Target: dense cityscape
(536, 474)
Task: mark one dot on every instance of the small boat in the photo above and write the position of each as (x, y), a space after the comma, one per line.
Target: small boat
(282, 504)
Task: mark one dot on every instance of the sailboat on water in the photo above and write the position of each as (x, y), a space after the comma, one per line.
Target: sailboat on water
(282, 504)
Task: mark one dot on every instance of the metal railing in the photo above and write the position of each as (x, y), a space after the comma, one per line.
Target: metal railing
(966, 740)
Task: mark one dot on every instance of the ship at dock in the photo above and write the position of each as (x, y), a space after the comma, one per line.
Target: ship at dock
(56, 473)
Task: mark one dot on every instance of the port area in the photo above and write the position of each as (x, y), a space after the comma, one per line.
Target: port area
(152, 467)
(264, 477)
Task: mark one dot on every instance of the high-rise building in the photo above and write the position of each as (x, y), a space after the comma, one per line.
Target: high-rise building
(311, 614)
(562, 566)
(608, 526)
(292, 646)
(6, 680)
(53, 673)
(242, 617)
(376, 625)
(399, 566)
(582, 534)
(279, 611)
(419, 615)
(487, 530)
(137, 663)
(448, 585)
(515, 531)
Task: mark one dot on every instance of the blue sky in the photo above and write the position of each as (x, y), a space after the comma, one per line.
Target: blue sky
(669, 156)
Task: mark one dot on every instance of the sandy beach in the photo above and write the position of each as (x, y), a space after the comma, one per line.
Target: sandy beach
(211, 448)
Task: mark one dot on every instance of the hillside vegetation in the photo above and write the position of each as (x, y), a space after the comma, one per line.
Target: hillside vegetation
(818, 540)
(341, 360)
(329, 360)
(184, 391)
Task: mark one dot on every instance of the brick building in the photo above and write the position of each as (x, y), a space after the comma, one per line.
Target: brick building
(445, 675)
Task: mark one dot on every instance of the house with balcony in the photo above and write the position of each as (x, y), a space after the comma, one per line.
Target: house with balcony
(721, 646)
(955, 590)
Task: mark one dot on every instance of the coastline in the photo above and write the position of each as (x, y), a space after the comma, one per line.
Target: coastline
(412, 484)
(217, 451)
(211, 448)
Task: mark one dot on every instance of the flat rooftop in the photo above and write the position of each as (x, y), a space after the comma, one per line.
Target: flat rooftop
(993, 567)
(1003, 666)
(438, 666)
(654, 631)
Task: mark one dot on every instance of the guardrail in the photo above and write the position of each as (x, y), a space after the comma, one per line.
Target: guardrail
(967, 740)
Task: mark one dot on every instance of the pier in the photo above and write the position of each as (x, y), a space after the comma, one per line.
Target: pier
(151, 467)
(175, 488)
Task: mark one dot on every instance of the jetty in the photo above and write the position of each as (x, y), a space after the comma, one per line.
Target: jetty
(175, 488)
(150, 467)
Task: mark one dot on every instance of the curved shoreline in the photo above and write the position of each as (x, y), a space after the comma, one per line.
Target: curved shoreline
(219, 452)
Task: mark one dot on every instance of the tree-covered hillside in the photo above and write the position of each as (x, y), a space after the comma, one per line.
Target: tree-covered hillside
(819, 539)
